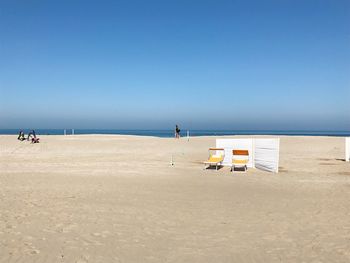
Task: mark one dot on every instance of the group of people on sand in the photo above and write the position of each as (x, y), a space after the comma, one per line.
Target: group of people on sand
(31, 136)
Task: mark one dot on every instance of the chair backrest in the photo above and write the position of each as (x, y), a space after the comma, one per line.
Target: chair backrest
(240, 154)
(217, 151)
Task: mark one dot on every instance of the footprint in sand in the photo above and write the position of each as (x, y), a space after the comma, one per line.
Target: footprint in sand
(31, 249)
(69, 228)
(35, 251)
(104, 234)
(83, 259)
(10, 226)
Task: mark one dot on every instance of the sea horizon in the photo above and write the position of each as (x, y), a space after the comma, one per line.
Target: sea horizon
(167, 133)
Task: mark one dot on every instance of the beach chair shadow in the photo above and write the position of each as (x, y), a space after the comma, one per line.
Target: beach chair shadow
(213, 168)
(239, 169)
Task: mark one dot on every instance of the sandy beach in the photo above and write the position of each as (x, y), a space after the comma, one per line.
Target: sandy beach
(109, 198)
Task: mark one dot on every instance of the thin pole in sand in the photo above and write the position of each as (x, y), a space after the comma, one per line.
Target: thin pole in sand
(72, 131)
(188, 135)
(347, 149)
(64, 132)
(172, 160)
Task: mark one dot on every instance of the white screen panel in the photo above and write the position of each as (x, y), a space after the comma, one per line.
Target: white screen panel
(266, 154)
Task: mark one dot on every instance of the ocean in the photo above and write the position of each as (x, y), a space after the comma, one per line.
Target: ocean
(170, 133)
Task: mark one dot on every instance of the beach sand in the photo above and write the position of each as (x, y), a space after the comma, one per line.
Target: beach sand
(109, 198)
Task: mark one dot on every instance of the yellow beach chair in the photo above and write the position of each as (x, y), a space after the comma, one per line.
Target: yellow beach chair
(216, 157)
(240, 158)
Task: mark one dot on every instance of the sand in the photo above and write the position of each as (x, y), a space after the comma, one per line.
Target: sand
(108, 198)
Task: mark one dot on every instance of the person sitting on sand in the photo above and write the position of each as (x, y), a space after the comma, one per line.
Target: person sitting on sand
(33, 135)
(21, 136)
(35, 140)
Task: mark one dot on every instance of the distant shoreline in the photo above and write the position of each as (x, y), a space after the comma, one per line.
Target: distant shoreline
(170, 133)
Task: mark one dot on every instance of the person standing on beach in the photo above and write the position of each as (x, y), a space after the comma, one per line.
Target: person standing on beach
(177, 132)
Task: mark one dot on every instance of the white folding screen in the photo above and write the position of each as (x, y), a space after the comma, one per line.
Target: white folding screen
(263, 153)
(238, 144)
(266, 154)
(347, 149)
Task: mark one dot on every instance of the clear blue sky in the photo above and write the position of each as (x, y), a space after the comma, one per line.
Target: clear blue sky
(150, 64)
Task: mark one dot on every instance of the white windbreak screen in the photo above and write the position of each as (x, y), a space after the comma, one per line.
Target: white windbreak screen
(266, 154)
(236, 144)
(347, 149)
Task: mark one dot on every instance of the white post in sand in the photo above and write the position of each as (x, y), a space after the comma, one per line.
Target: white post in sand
(172, 161)
(72, 131)
(64, 132)
(347, 149)
(188, 135)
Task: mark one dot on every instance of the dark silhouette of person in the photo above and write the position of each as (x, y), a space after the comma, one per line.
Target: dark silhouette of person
(31, 134)
(21, 136)
(177, 132)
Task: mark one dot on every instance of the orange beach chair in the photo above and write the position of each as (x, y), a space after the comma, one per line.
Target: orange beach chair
(240, 158)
